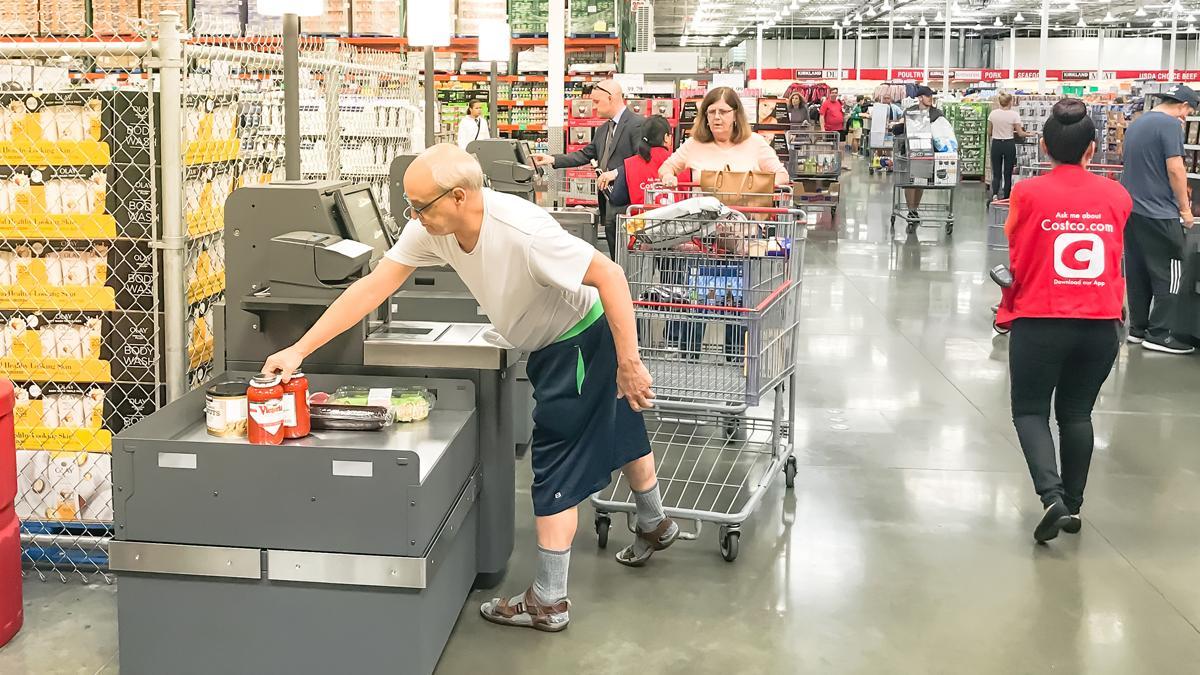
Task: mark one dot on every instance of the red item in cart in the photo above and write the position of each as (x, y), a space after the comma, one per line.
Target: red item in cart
(296, 419)
(265, 400)
(11, 610)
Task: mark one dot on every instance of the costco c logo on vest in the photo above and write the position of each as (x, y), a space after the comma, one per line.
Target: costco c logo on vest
(1078, 255)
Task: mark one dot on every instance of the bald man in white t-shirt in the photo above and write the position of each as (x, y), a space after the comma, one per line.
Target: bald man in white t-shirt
(550, 294)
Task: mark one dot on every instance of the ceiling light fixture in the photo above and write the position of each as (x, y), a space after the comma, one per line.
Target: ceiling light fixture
(1156, 24)
(886, 6)
(1109, 18)
(1019, 18)
(837, 26)
(1081, 23)
(871, 12)
(1141, 12)
(922, 23)
(939, 18)
(1191, 18)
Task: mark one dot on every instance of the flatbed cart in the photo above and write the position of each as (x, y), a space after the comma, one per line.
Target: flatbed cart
(937, 200)
(716, 297)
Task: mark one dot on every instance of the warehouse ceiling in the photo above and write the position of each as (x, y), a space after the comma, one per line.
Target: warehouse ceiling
(701, 23)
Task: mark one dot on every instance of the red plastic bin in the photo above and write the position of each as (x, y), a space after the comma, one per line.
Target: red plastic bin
(11, 612)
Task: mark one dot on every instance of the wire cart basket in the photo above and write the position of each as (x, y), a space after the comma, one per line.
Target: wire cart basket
(716, 297)
(923, 191)
(997, 246)
(814, 154)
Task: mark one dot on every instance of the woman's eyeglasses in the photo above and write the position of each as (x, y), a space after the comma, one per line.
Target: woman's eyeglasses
(717, 112)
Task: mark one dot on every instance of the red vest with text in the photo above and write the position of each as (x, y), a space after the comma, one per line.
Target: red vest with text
(1065, 245)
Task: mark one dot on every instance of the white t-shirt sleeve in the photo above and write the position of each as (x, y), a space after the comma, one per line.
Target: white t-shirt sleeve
(414, 248)
(558, 259)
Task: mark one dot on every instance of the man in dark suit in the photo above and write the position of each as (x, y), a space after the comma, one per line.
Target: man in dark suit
(612, 143)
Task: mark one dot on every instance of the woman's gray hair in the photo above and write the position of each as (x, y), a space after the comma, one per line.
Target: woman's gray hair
(452, 167)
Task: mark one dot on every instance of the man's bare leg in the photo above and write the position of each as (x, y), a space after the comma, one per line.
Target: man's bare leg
(650, 515)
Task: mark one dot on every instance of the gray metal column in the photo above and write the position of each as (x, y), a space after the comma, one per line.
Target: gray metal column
(333, 126)
(430, 100)
(492, 105)
(1044, 46)
(946, 50)
(174, 233)
(291, 96)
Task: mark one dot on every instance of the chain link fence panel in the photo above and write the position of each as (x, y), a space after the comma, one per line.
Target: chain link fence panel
(79, 276)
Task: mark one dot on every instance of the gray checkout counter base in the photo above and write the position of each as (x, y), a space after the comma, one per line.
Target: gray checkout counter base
(338, 552)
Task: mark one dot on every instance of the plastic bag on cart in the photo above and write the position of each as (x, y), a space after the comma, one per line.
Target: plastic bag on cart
(667, 226)
(944, 139)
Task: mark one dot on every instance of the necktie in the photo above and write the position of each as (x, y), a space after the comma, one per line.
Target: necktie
(608, 146)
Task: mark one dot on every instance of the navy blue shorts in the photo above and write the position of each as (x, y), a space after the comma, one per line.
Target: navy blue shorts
(581, 431)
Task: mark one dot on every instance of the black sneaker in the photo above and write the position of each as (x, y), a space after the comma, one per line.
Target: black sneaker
(1136, 336)
(1054, 519)
(914, 216)
(1167, 345)
(1074, 525)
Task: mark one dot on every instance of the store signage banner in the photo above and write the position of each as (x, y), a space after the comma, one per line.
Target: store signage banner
(968, 75)
(1078, 74)
(809, 73)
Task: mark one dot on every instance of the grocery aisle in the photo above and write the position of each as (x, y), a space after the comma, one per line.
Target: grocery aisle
(906, 546)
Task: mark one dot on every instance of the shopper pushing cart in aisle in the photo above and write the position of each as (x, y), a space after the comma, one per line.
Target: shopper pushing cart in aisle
(912, 196)
(554, 296)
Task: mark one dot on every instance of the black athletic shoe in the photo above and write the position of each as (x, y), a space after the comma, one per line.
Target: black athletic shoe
(914, 216)
(1168, 345)
(1073, 526)
(1136, 336)
(1054, 519)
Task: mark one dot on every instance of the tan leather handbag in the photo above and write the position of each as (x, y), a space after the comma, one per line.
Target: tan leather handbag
(740, 188)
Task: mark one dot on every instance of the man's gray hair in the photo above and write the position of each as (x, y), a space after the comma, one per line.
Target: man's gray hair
(453, 167)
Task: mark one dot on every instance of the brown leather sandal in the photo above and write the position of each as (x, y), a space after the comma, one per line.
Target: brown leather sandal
(658, 539)
(528, 613)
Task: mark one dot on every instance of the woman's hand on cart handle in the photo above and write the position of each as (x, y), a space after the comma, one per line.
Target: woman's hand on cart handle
(284, 362)
(668, 180)
(633, 385)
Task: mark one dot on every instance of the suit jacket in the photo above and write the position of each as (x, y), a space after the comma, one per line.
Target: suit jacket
(626, 139)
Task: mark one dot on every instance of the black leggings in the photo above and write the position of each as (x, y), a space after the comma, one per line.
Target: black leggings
(1069, 359)
(1004, 160)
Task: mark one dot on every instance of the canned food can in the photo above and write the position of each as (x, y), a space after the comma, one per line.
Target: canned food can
(225, 409)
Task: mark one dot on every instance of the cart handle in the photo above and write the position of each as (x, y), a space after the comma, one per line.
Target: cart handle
(693, 184)
(717, 308)
(691, 406)
(638, 209)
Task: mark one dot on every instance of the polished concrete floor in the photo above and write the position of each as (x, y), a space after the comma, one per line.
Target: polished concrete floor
(906, 545)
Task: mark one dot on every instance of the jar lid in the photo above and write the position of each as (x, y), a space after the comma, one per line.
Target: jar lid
(264, 380)
(228, 388)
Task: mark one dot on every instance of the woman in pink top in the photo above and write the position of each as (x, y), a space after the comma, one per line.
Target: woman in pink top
(722, 140)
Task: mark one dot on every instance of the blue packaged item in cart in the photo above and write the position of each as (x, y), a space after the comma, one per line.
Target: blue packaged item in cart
(722, 285)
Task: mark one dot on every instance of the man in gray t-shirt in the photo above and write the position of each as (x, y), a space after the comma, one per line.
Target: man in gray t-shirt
(1156, 178)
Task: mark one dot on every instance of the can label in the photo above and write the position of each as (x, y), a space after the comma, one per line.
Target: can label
(268, 415)
(226, 416)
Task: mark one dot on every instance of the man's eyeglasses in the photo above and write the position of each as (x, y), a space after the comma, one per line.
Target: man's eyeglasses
(412, 212)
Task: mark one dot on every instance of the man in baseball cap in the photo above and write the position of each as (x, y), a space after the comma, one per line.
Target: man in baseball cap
(1183, 94)
(1155, 175)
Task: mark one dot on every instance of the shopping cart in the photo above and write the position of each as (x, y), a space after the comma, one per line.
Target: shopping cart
(716, 297)
(918, 177)
(997, 246)
(658, 194)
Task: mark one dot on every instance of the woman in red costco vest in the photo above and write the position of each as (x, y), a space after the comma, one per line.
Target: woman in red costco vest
(1065, 234)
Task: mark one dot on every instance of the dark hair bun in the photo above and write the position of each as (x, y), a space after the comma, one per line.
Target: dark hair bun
(1069, 111)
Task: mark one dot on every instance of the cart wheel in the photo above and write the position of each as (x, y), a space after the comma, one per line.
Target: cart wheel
(892, 226)
(603, 522)
(950, 228)
(733, 428)
(911, 228)
(998, 329)
(789, 472)
(729, 544)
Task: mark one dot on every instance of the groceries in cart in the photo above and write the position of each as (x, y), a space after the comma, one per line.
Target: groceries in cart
(674, 224)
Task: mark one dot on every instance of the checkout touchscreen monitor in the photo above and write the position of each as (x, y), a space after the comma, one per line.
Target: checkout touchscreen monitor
(362, 219)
